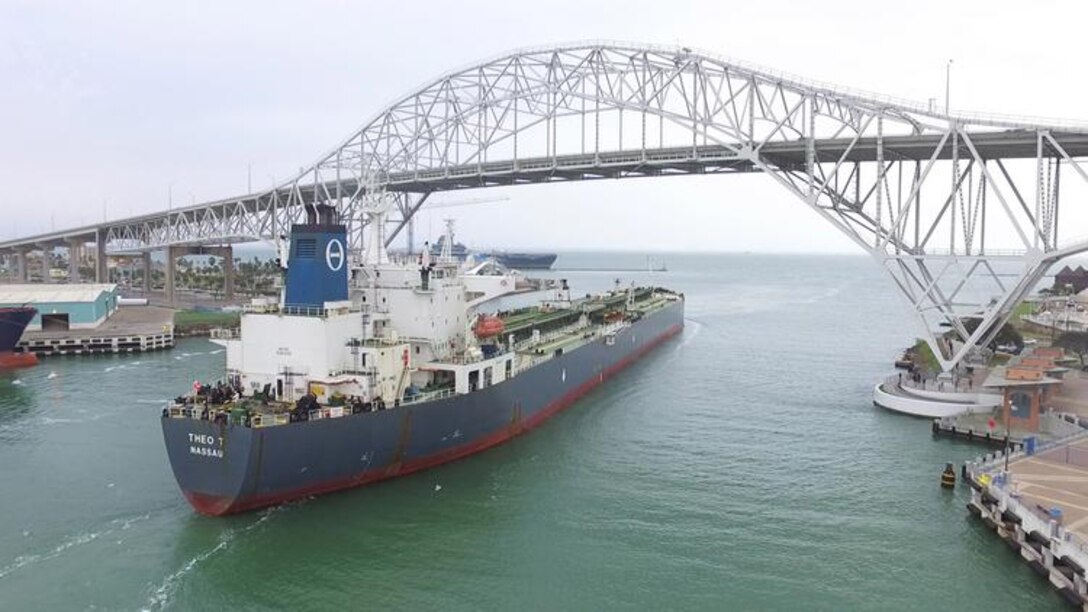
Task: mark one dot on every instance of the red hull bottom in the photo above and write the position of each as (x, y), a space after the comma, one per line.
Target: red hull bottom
(218, 506)
(17, 360)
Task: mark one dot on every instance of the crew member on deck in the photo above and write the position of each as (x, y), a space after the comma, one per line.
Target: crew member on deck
(425, 264)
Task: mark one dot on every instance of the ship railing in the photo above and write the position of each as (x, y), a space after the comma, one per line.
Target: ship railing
(183, 412)
(532, 362)
(368, 372)
(429, 396)
(201, 412)
(269, 419)
(571, 332)
(298, 311)
(468, 360)
(332, 412)
(543, 339)
(260, 308)
(304, 311)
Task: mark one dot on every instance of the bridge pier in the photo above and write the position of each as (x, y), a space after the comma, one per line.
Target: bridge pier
(101, 272)
(46, 264)
(172, 254)
(227, 255)
(21, 273)
(75, 254)
(146, 260)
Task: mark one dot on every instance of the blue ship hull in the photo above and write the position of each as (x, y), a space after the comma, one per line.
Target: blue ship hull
(12, 323)
(227, 468)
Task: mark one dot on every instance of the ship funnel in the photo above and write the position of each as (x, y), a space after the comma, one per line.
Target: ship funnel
(317, 270)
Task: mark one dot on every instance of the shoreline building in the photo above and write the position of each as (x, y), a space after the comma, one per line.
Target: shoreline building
(1076, 280)
(63, 307)
(1027, 383)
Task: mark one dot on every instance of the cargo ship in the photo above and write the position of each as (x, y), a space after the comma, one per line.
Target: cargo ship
(13, 321)
(382, 368)
(516, 261)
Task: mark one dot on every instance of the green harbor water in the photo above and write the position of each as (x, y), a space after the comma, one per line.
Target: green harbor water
(741, 466)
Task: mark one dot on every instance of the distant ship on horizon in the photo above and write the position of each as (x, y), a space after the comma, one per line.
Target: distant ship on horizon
(516, 261)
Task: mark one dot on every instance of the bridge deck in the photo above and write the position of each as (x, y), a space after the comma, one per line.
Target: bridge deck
(707, 159)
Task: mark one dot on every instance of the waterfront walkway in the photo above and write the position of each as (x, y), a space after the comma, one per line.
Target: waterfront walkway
(1057, 477)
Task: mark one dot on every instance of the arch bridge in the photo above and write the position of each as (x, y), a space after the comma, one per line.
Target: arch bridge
(961, 210)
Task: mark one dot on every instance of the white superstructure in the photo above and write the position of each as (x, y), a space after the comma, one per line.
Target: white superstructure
(408, 323)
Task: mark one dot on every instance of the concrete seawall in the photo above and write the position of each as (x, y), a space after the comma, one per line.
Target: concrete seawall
(898, 399)
(1041, 540)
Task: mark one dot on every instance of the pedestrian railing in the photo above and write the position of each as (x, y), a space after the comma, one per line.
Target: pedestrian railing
(428, 396)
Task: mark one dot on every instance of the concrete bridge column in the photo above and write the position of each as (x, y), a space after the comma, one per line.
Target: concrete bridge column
(46, 264)
(228, 272)
(172, 254)
(22, 275)
(147, 271)
(101, 272)
(75, 254)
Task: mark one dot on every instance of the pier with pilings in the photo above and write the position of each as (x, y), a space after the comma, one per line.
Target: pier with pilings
(131, 329)
(1036, 500)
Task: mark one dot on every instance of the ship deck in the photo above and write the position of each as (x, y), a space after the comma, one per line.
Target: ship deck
(562, 330)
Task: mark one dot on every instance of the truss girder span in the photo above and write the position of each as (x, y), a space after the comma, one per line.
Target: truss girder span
(962, 211)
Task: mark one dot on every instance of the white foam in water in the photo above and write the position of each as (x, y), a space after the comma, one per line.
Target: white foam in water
(695, 328)
(161, 596)
(52, 375)
(17, 381)
(57, 421)
(24, 560)
(438, 487)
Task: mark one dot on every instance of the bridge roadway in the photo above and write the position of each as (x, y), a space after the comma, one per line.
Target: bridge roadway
(706, 159)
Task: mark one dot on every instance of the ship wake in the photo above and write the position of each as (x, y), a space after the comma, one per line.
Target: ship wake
(114, 526)
(163, 593)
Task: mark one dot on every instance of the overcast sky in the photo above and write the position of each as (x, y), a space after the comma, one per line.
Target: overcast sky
(106, 105)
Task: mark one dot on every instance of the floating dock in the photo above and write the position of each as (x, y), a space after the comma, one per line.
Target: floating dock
(946, 428)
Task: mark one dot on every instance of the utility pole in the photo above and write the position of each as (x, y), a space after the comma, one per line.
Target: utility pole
(947, 83)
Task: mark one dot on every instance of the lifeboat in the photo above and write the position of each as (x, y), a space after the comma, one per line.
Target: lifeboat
(613, 316)
(488, 326)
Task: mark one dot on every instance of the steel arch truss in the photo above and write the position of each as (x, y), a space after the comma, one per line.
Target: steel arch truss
(961, 211)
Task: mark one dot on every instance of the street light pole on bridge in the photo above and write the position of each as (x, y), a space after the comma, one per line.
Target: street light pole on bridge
(947, 83)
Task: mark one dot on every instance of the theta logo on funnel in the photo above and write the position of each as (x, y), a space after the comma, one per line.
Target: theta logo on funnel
(334, 254)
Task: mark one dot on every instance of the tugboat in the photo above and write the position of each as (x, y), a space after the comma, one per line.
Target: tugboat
(13, 322)
(381, 369)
